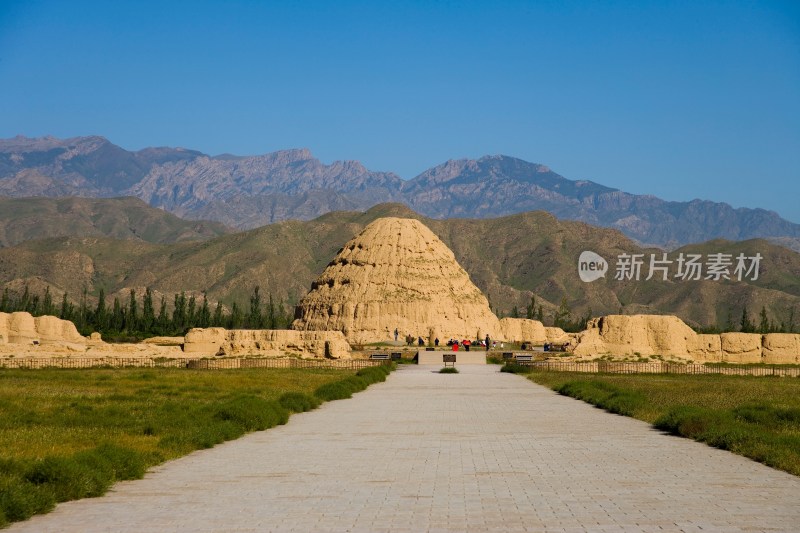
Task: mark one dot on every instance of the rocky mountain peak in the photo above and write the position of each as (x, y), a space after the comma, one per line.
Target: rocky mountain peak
(250, 191)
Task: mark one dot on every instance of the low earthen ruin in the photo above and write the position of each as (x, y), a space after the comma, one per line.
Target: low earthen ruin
(201, 342)
(669, 337)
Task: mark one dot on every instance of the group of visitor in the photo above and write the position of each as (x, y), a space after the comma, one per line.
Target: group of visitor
(453, 343)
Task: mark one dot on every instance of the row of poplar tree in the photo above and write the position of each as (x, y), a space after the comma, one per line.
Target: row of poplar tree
(140, 317)
(561, 318)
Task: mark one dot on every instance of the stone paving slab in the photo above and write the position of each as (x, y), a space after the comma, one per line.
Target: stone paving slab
(475, 451)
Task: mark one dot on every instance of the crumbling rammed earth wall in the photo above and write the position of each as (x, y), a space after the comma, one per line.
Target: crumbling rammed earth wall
(668, 336)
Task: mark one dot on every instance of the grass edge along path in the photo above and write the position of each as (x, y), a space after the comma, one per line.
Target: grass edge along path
(765, 429)
(35, 487)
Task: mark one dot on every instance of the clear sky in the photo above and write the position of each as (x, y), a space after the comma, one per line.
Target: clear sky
(681, 99)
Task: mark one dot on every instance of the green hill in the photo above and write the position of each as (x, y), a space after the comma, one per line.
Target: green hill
(24, 219)
(509, 258)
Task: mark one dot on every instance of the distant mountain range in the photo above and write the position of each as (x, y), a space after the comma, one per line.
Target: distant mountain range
(250, 191)
(509, 258)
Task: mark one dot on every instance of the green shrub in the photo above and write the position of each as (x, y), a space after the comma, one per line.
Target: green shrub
(603, 395)
(339, 390)
(449, 370)
(67, 478)
(85, 474)
(20, 500)
(252, 413)
(374, 374)
(688, 421)
(345, 388)
(515, 368)
(298, 402)
(124, 463)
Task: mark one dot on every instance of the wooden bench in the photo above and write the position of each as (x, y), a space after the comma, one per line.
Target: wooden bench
(449, 358)
(379, 356)
(524, 358)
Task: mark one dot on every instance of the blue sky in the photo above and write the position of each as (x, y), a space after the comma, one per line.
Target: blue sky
(678, 99)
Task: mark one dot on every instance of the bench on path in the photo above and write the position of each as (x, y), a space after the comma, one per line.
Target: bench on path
(379, 356)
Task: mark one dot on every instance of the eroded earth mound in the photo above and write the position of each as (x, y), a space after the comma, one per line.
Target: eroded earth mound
(396, 274)
(670, 337)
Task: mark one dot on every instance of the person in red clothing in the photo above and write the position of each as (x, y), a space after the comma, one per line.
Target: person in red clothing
(466, 344)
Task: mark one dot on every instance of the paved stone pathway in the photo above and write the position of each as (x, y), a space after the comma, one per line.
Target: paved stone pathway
(475, 451)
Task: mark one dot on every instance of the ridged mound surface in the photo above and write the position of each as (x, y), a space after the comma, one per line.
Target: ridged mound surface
(396, 274)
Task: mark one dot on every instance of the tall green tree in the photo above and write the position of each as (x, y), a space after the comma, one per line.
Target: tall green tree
(191, 312)
(67, 309)
(204, 315)
(162, 322)
(236, 320)
(25, 300)
(101, 313)
(48, 308)
(83, 312)
(254, 318)
(729, 326)
(530, 311)
(218, 321)
(286, 314)
(132, 317)
(272, 318)
(563, 317)
(764, 325)
(745, 325)
(117, 316)
(148, 312)
(179, 313)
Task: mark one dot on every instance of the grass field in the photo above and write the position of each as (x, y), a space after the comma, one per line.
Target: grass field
(758, 417)
(69, 434)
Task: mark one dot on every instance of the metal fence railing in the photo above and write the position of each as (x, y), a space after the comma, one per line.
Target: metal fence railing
(199, 364)
(610, 367)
